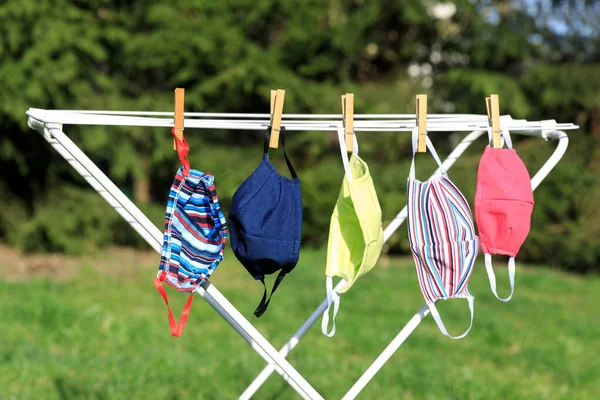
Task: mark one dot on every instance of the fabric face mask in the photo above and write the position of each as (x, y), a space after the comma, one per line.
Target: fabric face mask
(355, 232)
(265, 222)
(194, 238)
(442, 238)
(503, 207)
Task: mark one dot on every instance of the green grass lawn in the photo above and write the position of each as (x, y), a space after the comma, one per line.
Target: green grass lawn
(100, 335)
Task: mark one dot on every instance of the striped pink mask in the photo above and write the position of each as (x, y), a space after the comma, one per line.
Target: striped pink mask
(442, 238)
(503, 207)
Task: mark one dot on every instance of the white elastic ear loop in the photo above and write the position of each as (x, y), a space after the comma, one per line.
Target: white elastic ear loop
(354, 144)
(492, 276)
(504, 137)
(344, 152)
(332, 297)
(415, 134)
(438, 320)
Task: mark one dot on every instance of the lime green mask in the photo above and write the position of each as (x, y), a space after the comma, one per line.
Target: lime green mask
(355, 231)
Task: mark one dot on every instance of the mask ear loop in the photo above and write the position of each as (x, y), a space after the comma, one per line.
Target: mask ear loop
(415, 134)
(504, 137)
(182, 150)
(438, 320)
(354, 144)
(492, 276)
(332, 296)
(176, 327)
(344, 151)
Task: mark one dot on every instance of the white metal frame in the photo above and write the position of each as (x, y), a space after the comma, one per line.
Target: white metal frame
(49, 123)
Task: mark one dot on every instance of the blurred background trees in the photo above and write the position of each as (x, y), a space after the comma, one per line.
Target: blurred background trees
(541, 56)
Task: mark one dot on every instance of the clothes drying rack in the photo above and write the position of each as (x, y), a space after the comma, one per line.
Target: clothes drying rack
(50, 124)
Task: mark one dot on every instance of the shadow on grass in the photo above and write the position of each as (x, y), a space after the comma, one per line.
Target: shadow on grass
(68, 390)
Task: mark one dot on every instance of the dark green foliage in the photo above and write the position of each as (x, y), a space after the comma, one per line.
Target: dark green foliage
(69, 220)
(107, 54)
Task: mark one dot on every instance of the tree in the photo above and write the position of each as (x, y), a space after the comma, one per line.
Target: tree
(540, 56)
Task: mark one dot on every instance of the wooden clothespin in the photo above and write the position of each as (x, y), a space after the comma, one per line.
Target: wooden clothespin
(493, 111)
(348, 117)
(277, 98)
(179, 100)
(422, 123)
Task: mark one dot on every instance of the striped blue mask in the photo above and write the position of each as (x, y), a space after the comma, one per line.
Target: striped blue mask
(442, 238)
(194, 238)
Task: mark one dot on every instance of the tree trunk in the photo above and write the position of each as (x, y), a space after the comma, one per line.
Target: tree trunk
(141, 184)
(593, 123)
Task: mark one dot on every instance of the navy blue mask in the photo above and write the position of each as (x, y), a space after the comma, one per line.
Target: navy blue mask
(265, 222)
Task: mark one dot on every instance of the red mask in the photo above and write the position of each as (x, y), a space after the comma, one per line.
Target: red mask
(503, 207)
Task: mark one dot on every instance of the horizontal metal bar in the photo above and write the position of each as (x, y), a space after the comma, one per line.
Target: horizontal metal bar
(534, 128)
(256, 115)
